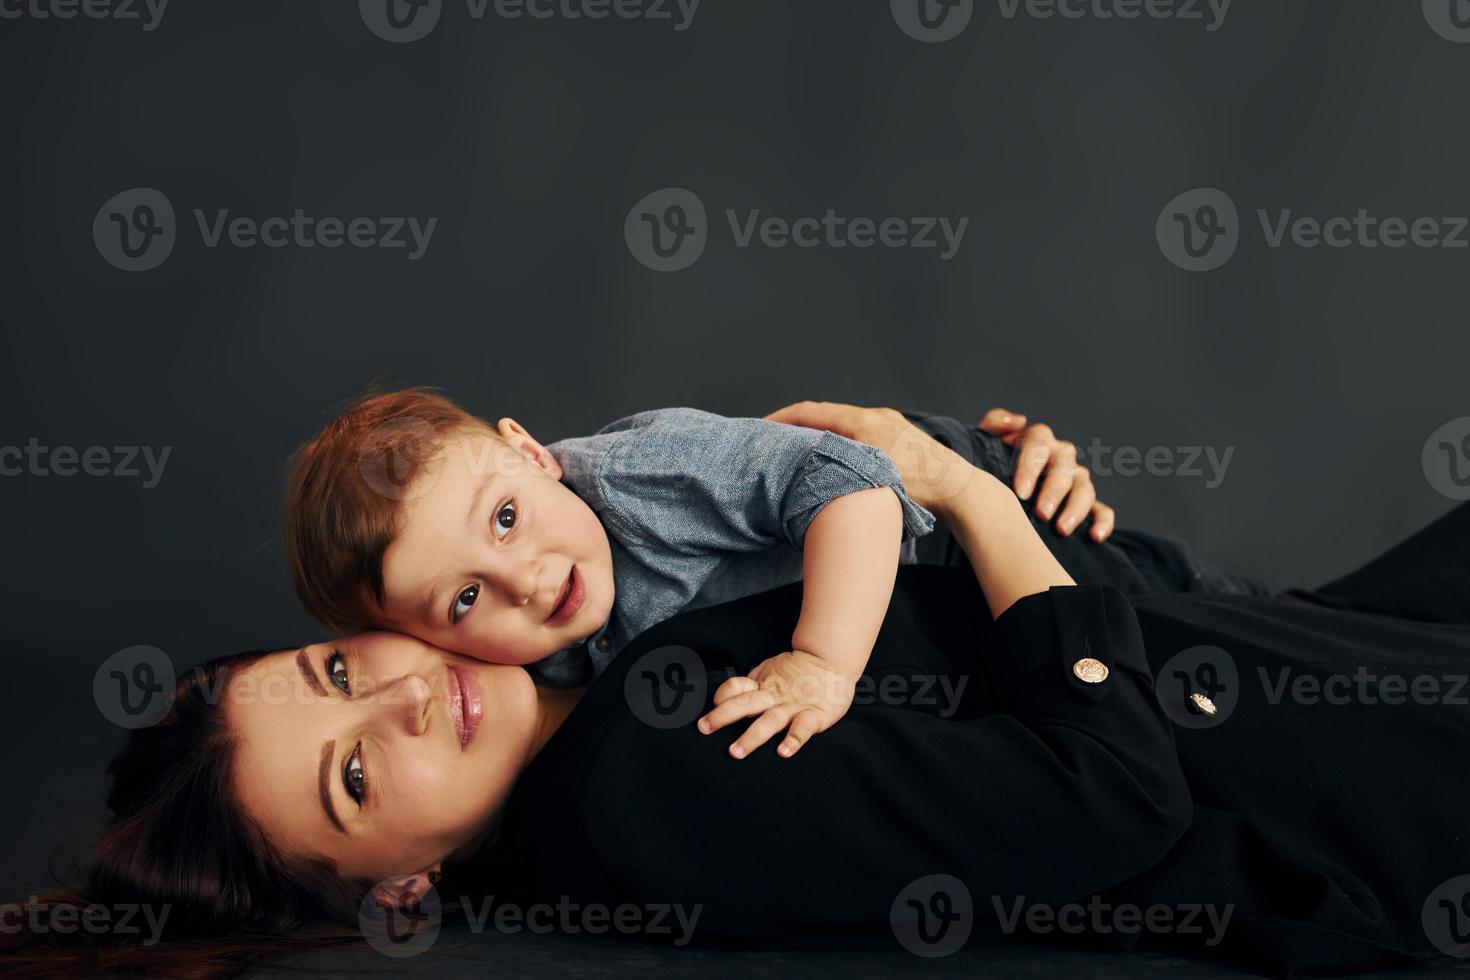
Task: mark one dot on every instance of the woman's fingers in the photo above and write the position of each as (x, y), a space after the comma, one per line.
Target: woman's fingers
(807, 723)
(1035, 451)
(761, 730)
(1061, 474)
(1067, 484)
(1080, 502)
(737, 707)
(832, 416)
(1002, 422)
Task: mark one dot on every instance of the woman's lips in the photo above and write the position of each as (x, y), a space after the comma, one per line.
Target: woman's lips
(573, 591)
(466, 707)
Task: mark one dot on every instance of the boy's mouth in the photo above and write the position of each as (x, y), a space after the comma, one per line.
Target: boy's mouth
(569, 600)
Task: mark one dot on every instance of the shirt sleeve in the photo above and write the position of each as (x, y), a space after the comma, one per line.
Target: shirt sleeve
(701, 482)
(1070, 787)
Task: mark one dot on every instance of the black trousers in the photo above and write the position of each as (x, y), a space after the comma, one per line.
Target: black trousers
(1425, 578)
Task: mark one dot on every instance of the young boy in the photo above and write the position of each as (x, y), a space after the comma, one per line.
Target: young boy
(408, 513)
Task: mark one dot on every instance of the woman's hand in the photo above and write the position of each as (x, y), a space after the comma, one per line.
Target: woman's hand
(934, 475)
(1066, 479)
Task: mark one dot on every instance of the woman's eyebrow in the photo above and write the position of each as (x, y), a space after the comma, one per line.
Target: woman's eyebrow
(323, 773)
(312, 681)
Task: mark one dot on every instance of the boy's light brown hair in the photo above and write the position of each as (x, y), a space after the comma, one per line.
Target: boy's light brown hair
(344, 492)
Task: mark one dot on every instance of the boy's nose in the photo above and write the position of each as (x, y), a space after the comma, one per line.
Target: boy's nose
(518, 582)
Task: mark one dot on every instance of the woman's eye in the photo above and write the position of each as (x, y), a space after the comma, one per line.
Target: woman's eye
(354, 777)
(337, 672)
(464, 601)
(505, 519)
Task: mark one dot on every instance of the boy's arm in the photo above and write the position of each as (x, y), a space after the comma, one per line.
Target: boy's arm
(850, 563)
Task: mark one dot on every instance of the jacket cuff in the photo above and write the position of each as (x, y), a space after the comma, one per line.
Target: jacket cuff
(1077, 637)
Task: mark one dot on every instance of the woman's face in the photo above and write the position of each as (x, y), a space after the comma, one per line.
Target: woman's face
(378, 752)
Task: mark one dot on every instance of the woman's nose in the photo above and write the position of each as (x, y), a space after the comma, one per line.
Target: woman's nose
(405, 703)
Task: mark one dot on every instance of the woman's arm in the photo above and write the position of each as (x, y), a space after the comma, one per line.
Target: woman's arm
(1067, 484)
(984, 515)
(1008, 558)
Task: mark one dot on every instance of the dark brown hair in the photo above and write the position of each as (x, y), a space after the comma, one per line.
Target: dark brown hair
(177, 841)
(343, 497)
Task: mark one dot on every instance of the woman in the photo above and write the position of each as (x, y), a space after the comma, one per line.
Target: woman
(1056, 774)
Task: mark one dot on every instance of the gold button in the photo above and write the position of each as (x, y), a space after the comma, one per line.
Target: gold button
(1202, 704)
(1090, 670)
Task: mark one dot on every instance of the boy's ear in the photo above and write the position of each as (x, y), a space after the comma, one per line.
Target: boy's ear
(403, 891)
(516, 435)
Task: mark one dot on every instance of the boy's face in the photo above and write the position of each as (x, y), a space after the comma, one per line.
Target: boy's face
(494, 558)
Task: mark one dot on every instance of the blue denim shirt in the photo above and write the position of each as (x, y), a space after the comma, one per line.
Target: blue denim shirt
(700, 509)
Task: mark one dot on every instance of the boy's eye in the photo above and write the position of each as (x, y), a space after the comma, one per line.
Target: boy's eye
(505, 519)
(464, 601)
(337, 673)
(354, 777)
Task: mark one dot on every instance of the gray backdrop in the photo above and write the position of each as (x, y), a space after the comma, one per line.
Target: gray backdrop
(1073, 294)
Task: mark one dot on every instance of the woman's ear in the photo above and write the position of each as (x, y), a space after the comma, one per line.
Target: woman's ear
(404, 891)
(516, 435)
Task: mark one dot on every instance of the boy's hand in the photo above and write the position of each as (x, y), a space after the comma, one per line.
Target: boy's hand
(795, 689)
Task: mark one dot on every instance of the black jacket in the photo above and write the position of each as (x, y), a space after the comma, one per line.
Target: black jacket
(1322, 828)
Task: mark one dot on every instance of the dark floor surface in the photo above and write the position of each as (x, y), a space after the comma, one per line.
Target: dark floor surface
(508, 957)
